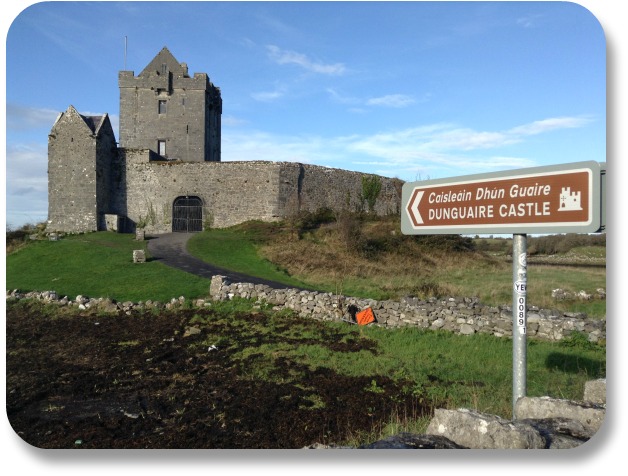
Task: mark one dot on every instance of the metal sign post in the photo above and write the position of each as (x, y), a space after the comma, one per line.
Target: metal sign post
(519, 318)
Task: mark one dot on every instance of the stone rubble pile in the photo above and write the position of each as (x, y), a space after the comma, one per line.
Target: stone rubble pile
(103, 304)
(539, 423)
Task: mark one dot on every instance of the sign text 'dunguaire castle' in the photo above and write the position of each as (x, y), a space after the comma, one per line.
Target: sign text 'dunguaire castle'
(540, 200)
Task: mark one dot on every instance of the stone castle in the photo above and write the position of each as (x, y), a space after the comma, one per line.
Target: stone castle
(166, 174)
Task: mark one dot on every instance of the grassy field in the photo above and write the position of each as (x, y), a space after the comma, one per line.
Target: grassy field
(98, 265)
(236, 251)
(368, 259)
(444, 369)
(389, 266)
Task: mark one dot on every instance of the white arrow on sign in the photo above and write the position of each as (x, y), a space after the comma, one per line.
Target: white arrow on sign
(413, 207)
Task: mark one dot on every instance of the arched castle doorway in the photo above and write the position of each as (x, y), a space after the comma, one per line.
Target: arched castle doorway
(187, 214)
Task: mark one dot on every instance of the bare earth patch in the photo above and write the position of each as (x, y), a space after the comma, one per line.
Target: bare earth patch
(144, 381)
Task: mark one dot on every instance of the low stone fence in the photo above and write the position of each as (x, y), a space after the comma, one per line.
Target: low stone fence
(460, 315)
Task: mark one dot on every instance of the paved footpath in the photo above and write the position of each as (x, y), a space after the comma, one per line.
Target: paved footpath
(171, 250)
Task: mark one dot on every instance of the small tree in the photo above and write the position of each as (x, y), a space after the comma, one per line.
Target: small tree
(371, 187)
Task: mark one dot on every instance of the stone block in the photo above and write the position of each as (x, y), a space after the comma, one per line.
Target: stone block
(595, 391)
(590, 415)
(483, 431)
(111, 222)
(139, 256)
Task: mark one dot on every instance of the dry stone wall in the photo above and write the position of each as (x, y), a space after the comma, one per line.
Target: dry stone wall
(539, 423)
(460, 315)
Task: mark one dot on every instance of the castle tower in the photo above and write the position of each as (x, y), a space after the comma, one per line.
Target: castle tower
(165, 110)
(81, 151)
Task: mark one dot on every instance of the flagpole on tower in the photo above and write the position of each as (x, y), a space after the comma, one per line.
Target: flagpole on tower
(125, 46)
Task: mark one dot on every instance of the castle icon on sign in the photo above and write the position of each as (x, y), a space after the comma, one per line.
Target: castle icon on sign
(569, 201)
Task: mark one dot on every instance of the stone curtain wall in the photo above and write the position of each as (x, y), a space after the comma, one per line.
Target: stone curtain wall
(460, 315)
(311, 187)
(235, 192)
(231, 192)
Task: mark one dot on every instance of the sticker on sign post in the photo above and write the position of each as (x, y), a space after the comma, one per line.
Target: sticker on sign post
(523, 260)
(520, 287)
(521, 313)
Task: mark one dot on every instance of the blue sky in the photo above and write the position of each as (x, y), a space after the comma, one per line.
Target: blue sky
(413, 90)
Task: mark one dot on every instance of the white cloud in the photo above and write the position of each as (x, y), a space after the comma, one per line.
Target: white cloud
(468, 139)
(338, 97)
(388, 100)
(22, 117)
(391, 100)
(258, 145)
(530, 21)
(291, 57)
(267, 96)
(546, 125)
(26, 184)
(232, 121)
(435, 149)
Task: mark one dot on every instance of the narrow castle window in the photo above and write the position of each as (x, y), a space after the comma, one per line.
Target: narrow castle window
(162, 106)
(161, 147)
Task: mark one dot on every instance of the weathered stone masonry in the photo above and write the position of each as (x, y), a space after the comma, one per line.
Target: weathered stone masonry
(80, 149)
(163, 104)
(169, 150)
(460, 315)
(235, 192)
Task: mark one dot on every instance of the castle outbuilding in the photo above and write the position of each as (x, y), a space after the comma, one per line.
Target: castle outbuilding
(166, 172)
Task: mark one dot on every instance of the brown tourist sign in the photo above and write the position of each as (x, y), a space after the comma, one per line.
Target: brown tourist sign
(555, 199)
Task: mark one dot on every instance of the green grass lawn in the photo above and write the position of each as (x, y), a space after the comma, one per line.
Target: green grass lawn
(237, 251)
(98, 265)
(449, 370)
